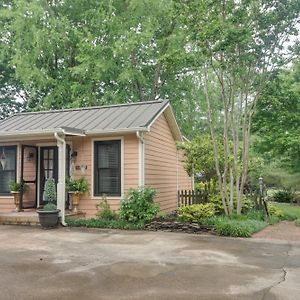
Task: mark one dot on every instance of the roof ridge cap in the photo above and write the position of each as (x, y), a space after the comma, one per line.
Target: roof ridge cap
(87, 108)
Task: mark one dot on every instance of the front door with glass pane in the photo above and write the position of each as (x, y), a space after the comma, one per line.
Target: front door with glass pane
(48, 168)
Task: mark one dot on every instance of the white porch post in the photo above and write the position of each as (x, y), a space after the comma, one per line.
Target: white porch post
(61, 186)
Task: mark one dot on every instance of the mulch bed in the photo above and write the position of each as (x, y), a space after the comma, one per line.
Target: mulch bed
(175, 226)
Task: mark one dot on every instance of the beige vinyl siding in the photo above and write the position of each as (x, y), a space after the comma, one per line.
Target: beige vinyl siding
(6, 203)
(161, 169)
(84, 148)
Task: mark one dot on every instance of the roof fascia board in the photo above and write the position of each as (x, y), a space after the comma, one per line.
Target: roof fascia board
(34, 133)
(29, 133)
(48, 133)
(157, 115)
(169, 114)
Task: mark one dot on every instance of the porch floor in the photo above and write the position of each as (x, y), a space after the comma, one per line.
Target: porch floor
(30, 217)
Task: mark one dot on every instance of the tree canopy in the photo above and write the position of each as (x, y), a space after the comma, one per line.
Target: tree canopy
(212, 59)
(277, 119)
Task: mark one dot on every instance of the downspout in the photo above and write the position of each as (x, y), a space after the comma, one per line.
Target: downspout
(177, 171)
(140, 136)
(61, 186)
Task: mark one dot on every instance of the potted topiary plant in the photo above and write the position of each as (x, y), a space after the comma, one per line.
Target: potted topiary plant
(16, 190)
(48, 215)
(76, 188)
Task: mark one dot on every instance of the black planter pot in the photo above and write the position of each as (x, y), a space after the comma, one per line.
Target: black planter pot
(48, 219)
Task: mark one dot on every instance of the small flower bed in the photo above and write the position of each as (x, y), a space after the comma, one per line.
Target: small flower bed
(137, 208)
(104, 223)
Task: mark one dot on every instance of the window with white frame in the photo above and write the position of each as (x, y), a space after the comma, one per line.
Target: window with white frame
(107, 168)
(8, 168)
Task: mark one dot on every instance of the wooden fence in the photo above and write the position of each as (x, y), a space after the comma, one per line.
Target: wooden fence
(189, 197)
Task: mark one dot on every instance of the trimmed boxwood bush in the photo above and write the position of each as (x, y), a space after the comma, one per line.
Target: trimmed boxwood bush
(195, 212)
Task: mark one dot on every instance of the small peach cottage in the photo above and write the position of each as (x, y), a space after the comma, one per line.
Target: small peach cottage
(114, 147)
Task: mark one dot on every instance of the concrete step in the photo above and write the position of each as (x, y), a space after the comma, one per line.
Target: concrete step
(20, 218)
(31, 217)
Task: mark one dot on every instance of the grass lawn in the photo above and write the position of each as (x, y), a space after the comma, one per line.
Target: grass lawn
(291, 212)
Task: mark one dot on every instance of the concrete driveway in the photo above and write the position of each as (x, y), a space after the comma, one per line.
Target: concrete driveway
(101, 264)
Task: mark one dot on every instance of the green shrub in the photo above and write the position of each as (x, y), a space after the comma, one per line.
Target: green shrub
(275, 211)
(247, 204)
(238, 228)
(195, 212)
(210, 186)
(209, 221)
(284, 196)
(297, 222)
(104, 223)
(138, 205)
(81, 185)
(216, 199)
(104, 210)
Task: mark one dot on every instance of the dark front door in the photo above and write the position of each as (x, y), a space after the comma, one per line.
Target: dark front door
(48, 167)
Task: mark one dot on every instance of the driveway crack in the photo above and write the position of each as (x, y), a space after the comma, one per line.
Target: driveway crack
(284, 273)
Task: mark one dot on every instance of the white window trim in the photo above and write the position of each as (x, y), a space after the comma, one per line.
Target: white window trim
(121, 138)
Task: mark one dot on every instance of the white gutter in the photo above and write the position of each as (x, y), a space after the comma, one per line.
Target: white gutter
(116, 131)
(61, 185)
(140, 136)
(34, 133)
(45, 133)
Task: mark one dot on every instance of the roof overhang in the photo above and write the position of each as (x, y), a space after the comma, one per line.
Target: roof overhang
(43, 133)
(67, 131)
(169, 114)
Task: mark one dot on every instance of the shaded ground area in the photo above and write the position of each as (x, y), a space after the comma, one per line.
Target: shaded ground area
(281, 231)
(102, 264)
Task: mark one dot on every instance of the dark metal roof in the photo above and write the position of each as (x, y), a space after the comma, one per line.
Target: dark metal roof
(114, 118)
